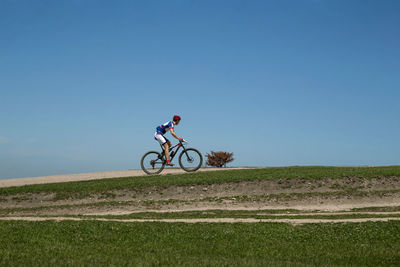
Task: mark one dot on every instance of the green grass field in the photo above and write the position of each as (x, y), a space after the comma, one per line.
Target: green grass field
(110, 243)
(219, 244)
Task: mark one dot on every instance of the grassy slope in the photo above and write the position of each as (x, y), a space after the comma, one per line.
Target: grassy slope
(110, 243)
(97, 186)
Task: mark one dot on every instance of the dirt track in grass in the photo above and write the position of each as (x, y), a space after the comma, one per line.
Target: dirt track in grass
(207, 220)
(324, 194)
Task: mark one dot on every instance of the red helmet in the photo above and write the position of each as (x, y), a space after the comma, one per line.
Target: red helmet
(176, 118)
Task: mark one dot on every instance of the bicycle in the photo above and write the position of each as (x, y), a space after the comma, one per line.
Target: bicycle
(190, 159)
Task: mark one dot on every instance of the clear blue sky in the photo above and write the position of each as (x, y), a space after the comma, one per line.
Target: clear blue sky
(84, 83)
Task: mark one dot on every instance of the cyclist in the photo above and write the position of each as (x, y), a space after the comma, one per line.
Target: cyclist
(164, 142)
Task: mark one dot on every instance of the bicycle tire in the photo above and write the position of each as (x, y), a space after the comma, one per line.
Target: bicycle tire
(192, 152)
(148, 158)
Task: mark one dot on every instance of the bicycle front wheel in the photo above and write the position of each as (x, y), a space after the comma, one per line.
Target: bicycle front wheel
(152, 162)
(190, 159)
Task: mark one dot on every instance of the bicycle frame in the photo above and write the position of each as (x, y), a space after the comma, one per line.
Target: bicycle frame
(177, 146)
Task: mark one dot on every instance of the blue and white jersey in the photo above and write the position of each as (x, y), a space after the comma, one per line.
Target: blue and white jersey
(162, 129)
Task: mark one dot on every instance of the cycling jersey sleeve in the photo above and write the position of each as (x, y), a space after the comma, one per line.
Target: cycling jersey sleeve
(170, 125)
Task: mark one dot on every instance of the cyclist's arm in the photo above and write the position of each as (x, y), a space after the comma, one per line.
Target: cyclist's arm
(174, 134)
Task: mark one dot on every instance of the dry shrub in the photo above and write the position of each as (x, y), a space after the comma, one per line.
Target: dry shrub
(219, 159)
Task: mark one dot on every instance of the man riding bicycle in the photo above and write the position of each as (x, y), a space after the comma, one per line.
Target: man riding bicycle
(164, 142)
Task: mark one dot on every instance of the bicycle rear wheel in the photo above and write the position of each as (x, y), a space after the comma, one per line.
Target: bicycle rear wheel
(190, 159)
(152, 162)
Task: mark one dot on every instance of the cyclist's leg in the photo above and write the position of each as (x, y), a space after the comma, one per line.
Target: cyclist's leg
(166, 146)
(164, 142)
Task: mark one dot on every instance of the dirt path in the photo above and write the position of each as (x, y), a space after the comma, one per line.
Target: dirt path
(304, 206)
(206, 220)
(92, 176)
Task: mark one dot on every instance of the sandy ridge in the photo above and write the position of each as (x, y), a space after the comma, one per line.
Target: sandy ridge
(93, 176)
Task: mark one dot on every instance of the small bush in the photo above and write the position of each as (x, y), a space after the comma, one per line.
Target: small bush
(219, 159)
